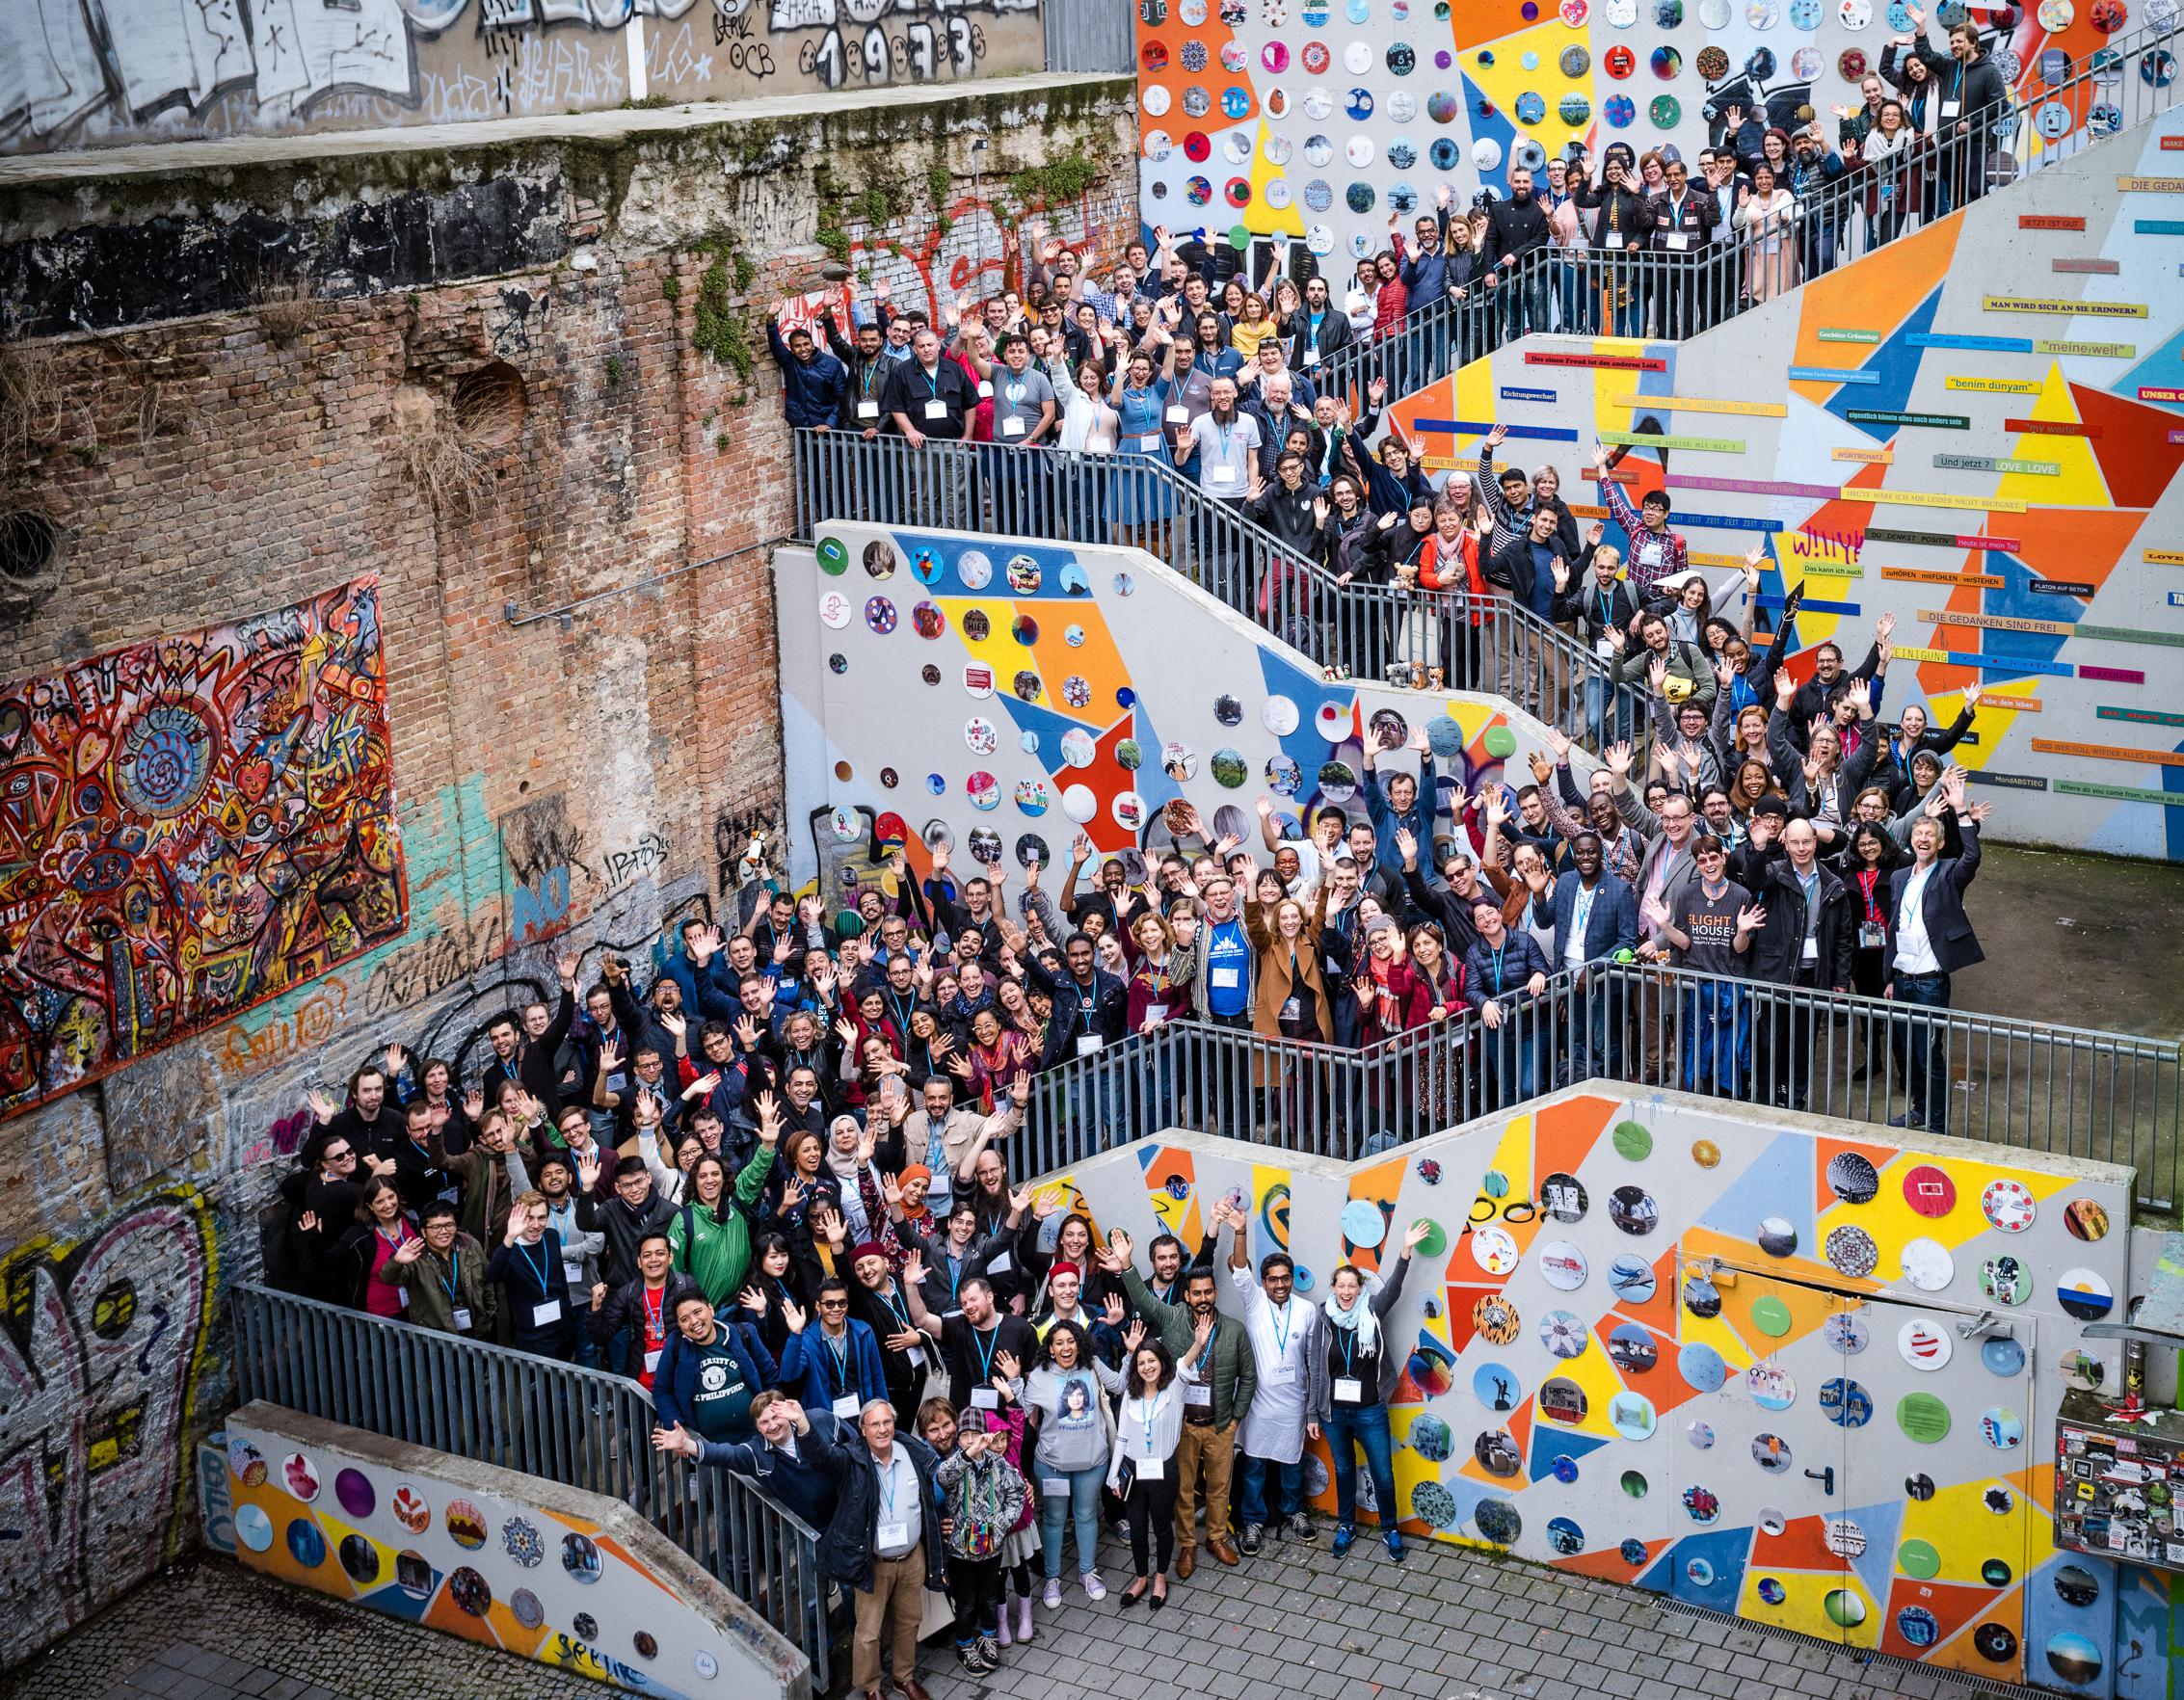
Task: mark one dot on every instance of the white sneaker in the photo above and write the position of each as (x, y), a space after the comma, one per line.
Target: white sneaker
(1054, 1594)
(1093, 1587)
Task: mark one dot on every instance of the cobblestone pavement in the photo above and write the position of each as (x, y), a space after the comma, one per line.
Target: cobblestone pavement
(1444, 1626)
(248, 1637)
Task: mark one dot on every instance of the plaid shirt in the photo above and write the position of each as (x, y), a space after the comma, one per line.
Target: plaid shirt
(1673, 559)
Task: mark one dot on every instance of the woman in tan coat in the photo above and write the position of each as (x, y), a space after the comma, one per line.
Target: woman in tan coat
(1292, 1002)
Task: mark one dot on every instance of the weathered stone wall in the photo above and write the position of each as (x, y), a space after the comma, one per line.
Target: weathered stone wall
(567, 397)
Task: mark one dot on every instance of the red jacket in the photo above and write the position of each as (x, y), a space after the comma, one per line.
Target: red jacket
(1443, 567)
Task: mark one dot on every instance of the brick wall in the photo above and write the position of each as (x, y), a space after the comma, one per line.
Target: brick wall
(559, 786)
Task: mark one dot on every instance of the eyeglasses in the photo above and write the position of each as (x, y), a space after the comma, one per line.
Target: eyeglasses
(343, 1155)
(834, 1304)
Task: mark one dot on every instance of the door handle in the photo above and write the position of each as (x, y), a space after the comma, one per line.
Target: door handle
(1825, 1478)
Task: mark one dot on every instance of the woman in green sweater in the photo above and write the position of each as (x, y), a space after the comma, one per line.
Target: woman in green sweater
(710, 1235)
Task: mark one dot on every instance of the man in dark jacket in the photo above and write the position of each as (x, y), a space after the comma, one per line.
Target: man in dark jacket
(1815, 168)
(1533, 566)
(1685, 232)
(812, 381)
(1515, 229)
(632, 1322)
(527, 1055)
(1929, 938)
(884, 1541)
(1974, 100)
(1594, 916)
(1805, 941)
(779, 1461)
(635, 1212)
(866, 365)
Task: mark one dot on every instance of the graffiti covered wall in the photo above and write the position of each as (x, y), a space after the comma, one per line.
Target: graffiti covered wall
(1978, 428)
(1318, 121)
(191, 827)
(569, 1580)
(1763, 1366)
(1053, 689)
(110, 71)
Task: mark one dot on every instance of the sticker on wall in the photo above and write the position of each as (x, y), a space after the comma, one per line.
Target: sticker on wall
(1929, 1191)
(1919, 1487)
(1701, 1298)
(360, 1560)
(980, 735)
(2008, 1204)
(1846, 1332)
(2005, 1280)
(254, 1527)
(1771, 1317)
(1498, 1455)
(1701, 1436)
(1630, 1279)
(1772, 1592)
(2001, 1428)
(1776, 1237)
(1771, 1387)
(1632, 1415)
(1770, 1452)
(1562, 1265)
(411, 1510)
(837, 662)
(1563, 1334)
(1563, 1198)
(1562, 1400)
(1851, 1251)
(1631, 1348)
(1924, 1343)
(1618, 62)
(306, 1544)
(1497, 1320)
(1632, 1210)
(1031, 796)
(835, 610)
(1564, 1538)
(1927, 1264)
(580, 1558)
(1077, 747)
(2084, 1294)
(983, 790)
(1497, 1387)
(1080, 804)
(1852, 1178)
(2086, 1219)
(1702, 1504)
(1844, 1403)
(1701, 1366)
(1705, 1152)
(300, 1476)
(1495, 1520)
(1923, 1418)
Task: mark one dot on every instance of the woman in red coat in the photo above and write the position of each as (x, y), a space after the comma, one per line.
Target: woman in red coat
(1449, 563)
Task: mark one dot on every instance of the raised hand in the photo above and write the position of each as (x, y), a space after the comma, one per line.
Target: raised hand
(1542, 769)
(1558, 742)
(752, 1300)
(1618, 756)
(323, 1109)
(307, 1222)
(674, 1439)
(1751, 918)
(409, 1251)
(1785, 687)
(610, 1059)
(1497, 437)
(1417, 1234)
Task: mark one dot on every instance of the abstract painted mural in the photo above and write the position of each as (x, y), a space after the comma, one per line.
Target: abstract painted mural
(189, 826)
(1804, 1376)
(1977, 429)
(943, 688)
(1320, 119)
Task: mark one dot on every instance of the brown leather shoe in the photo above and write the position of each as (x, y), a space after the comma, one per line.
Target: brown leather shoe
(1222, 1550)
(1186, 1561)
(911, 1689)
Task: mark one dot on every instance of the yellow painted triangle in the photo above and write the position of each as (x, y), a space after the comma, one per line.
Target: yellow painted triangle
(2080, 483)
(1994, 723)
(1270, 221)
(1506, 78)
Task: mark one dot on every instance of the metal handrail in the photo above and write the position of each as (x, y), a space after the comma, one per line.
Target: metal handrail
(585, 1428)
(2096, 1095)
(1653, 294)
(1485, 643)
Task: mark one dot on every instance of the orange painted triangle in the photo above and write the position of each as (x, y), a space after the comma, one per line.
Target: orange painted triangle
(2137, 455)
(1608, 1563)
(1799, 1547)
(1826, 1150)
(1954, 1605)
(1563, 1134)
(1520, 1429)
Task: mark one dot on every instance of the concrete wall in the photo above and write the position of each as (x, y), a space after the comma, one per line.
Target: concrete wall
(554, 787)
(1016, 739)
(116, 71)
(568, 1578)
(2027, 512)
(1439, 93)
(1713, 1354)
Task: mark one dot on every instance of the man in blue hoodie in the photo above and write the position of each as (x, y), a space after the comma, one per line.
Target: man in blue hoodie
(1398, 802)
(812, 381)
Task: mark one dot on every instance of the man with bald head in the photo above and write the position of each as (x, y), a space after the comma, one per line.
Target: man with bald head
(1807, 940)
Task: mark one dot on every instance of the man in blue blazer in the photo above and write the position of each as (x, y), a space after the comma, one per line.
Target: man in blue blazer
(1931, 938)
(1595, 915)
(834, 1367)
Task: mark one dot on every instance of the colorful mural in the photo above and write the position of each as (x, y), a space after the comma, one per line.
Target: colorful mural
(1319, 121)
(1044, 697)
(190, 826)
(1759, 1366)
(1977, 429)
(472, 1552)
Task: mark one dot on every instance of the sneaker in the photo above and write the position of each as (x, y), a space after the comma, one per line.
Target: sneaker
(1253, 1534)
(1345, 1535)
(988, 1654)
(1053, 1596)
(967, 1656)
(1396, 1546)
(1093, 1587)
(1301, 1527)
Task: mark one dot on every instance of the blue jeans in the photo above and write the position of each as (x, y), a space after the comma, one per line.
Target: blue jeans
(1927, 1068)
(1348, 1428)
(1717, 1037)
(1080, 1504)
(1251, 1489)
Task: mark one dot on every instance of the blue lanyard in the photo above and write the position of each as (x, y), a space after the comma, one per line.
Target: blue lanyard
(454, 1276)
(1282, 1331)
(539, 1269)
(986, 1350)
(1497, 955)
(841, 1355)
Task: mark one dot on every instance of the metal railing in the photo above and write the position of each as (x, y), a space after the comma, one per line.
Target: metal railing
(2032, 1086)
(584, 1428)
(1376, 631)
(1588, 290)
(1089, 36)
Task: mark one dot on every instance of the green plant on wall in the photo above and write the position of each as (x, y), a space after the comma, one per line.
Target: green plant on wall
(718, 326)
(1060, 179)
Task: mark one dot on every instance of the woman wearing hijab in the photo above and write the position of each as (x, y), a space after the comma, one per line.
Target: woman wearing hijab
(1362, 1361)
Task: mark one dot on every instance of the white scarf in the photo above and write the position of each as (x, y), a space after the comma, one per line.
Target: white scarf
(1358, 1316)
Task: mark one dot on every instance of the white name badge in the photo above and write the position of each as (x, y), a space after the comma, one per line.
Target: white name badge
(1220, 477)
(1605, 650)
(545, 1315)
(1157, 1012)
(847, 1407)
(1054, 1487)
(936, 409)
(1348, 1391)
(1292, 1008)
(1227, 978)
(1614, 239)
(1951, 108)
(1012, 426)
(1197, 1393)
(914, 1356)
(985, 1398)
(1812, 950)
(1000, 1265)
(893, 1534)
(1678, 241)
(1279, 1375)
(1149, 446)
(1312, 356)
(1179, 415)
(985, 389)
(867, 409)
(1088, 1043)
(462, 1319)
(653, 1362)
